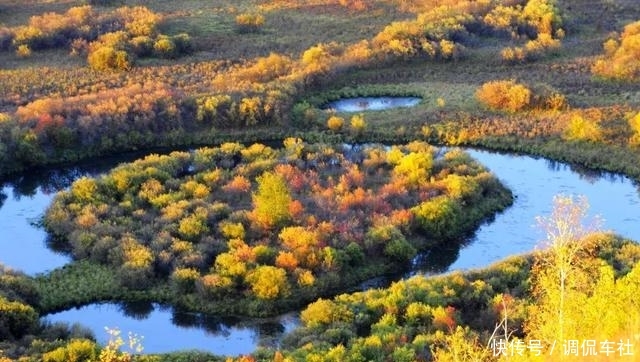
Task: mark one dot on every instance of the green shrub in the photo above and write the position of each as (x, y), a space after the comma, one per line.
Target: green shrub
(184, 43)
(438, 217)
(16, 319)
(184, 279)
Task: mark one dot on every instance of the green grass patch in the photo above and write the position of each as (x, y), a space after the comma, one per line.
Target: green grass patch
(75, 284)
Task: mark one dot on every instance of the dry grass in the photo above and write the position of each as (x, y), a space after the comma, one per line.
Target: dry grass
(16, 12)
(290, 27)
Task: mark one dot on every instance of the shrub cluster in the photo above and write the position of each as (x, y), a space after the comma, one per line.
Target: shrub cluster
(54, 30)
(538, 22)
(510, 96)
(248, 93)
(620, 56)
(112, 39)
(109, 112)
(17, 297)
(436, 33)
(506, 95)
(441, 31)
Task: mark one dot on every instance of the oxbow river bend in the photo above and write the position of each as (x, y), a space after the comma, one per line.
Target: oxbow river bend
(534, 182)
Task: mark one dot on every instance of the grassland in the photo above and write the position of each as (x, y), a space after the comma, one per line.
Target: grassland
(211, 26)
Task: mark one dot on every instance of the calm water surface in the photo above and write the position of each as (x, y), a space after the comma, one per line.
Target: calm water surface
(362, 104)
(22, 246)
(166, 331)
(534, 182)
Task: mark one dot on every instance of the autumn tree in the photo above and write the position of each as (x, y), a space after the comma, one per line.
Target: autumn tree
(268, 282)
(505, 95)
(583, 128)
(271, 201)
(559, 273)
(335, 123)
(84, 189)
(109, 58)
(438, 217)
(634, 124)
(414, 168)
(358, 124)
(620, 55)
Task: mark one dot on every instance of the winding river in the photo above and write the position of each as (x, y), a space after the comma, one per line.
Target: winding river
(534, 182)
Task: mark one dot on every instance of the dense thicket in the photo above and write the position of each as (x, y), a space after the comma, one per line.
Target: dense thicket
(272, 225)
(462, 316)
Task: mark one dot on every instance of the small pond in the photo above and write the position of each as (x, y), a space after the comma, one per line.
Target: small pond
(361, 104)
(534, 182)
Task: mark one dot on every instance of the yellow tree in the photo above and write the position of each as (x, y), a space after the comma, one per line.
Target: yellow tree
(583, 129)
(414, 168)
(268, 282)
(271, 201)
(560, 275)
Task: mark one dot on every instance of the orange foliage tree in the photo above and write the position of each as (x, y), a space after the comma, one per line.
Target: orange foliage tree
(506, 95)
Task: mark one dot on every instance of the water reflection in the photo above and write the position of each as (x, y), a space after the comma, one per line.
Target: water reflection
(3, 197)
(137, 310)
(22, 246)
(165, 329)
(584, 173)
(437, 260)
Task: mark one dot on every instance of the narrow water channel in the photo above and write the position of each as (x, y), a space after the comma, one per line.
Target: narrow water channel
(534, 182)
